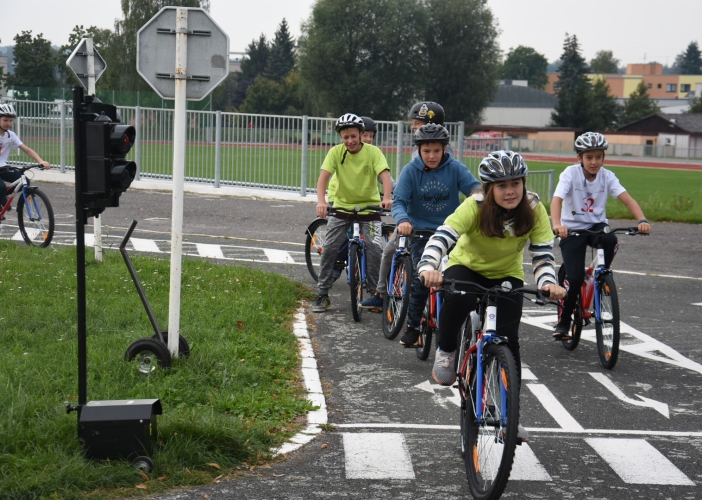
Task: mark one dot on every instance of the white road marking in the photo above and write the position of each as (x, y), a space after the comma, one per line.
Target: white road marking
(142, 245)
(278, 256)
(526, 466)
(638, 462)
(207, 250)
(660, 407)
(377, 456)
(527, 374)
(697, 303)
(554, 407)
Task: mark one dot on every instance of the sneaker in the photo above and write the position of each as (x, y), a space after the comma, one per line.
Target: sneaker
(562, 330)
(410, 338)
(375, 303)
(444, 371)
(337, 274)
(522, 435)
(322, 304)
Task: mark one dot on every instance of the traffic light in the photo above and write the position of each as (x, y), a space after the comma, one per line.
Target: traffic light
(107, 171)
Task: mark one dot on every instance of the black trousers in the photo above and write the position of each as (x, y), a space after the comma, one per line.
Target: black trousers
(8, 174)
(455, 310)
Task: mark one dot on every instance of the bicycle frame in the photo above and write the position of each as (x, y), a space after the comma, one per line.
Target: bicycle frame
(22, 185)
(357, 239)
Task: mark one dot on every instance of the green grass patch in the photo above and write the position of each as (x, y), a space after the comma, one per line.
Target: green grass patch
(237, 396)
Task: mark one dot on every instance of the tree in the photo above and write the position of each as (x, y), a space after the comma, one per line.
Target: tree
(696, 106)
(363, 57)
(604, 62)
(282, 54)
(36, 62)
(606, 111)
(256, 58)
(101, 40)
(691, 60)
(639, 105)
(461, 57)
(121, 73)
(573, 89)
(524, 63)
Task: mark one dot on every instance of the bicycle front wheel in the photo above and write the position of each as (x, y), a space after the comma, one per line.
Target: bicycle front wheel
(316, 236)
(463, 371)
(577, 324)
(607, 325)
(355, 280)
(396, 300)
(36, 218)
(491, 438)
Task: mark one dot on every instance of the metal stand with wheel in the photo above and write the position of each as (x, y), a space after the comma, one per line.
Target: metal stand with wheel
(149, 353)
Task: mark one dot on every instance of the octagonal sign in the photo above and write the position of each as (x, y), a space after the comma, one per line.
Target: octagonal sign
(207, 53)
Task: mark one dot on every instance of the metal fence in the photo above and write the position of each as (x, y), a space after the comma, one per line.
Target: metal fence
(662, 151)
(236, 149)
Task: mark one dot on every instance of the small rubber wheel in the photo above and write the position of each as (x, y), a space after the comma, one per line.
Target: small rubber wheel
(143, 463)
(183, 347)
(149, 355)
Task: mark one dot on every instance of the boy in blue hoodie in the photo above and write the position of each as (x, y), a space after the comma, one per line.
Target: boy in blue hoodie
(426, 193)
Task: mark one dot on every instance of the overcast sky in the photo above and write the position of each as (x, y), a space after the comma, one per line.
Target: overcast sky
(635, 30)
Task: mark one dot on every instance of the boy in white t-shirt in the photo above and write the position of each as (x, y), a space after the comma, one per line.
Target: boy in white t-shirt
(579, 202)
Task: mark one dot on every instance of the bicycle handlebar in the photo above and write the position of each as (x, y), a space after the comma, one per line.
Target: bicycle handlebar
(357, 210)
(449, 285)
(22, 169)
(631, 231)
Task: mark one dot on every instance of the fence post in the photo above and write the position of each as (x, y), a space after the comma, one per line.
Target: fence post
(303, 180)
(551, 182)
(62, 107)
(400, 136)
(509, 143)
(218, 148)
(137, 142)
(461, 135)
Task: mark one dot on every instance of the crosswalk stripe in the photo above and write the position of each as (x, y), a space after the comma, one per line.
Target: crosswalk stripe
(554, 407)
(142, 245)
(636, 461)
(527, 467)
(278, 256)
(377, 456)
(209, 250)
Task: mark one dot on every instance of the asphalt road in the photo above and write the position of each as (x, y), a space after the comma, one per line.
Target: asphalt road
(633, 432)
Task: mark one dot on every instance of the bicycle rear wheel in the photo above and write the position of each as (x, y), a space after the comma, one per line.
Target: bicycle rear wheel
(426, 332)
(396, 300)
(316, 236)
(576, 327)
(607, 325)
(463, 371)
(36, 218)
(491, 441)
(355, 280)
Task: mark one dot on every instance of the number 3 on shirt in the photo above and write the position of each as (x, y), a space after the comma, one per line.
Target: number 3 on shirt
(589, 203)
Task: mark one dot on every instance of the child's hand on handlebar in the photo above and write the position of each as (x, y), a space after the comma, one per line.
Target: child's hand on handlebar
(560, 231)
(322, 210)
(386, 204)
(404, 229)
(555, 292)
(45, 164)
(431, 278)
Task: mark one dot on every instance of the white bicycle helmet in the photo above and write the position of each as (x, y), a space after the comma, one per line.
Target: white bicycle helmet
(501, 166)
(590, 141)
(7, 109)
(350, 120)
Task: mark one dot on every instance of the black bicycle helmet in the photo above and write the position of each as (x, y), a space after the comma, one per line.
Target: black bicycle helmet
(590, 141)
(431, 132)
(7, 109)
(428, 111)
(501, 166)
(369, 124)
(349, 120)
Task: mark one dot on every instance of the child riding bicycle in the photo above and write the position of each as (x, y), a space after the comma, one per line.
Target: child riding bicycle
(580, 202)
(489, 232)
(9, 141)
(357, 165)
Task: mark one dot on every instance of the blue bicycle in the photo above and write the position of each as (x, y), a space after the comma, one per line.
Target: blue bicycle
(356, 269)
(396, 300)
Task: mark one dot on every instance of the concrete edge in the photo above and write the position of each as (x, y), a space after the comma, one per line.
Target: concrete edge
(313, 384)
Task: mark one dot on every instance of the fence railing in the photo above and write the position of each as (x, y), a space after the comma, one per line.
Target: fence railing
(662, 151)
(237, 149)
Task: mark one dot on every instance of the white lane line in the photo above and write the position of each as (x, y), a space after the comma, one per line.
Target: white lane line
(278, 256)
(554, 407)
(527, 374)
(697, 303)
(142, 245)
(208, 250)
(527, 467)
(372, 455)
(659, 406)
(638, 462)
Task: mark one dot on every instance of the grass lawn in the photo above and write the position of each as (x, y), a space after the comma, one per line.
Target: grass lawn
(237, 396)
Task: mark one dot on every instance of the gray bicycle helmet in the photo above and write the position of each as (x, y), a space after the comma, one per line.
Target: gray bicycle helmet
(369, 124)
(349, 120)
(501, 166)
(7, 110)
(431, 132)
(590, 141)
(428, 111)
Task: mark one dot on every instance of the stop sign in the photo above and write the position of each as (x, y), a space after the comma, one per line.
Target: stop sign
(207, 55)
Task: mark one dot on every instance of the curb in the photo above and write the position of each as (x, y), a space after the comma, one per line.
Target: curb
(313, 384)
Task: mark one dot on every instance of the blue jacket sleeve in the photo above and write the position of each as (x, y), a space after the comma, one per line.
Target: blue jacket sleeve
(466, 181)
(402, 198)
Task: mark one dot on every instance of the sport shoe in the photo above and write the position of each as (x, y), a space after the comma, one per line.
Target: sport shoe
(522, 435)
(410, 338)
(562, 330)
(444, 371)
(375, 303)
(321, 304)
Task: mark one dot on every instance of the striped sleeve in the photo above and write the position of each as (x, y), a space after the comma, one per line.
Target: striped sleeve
(543, 262)
(437, 247)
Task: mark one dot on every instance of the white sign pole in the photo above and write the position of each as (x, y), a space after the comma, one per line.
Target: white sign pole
(97, 224)
(179, 138)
